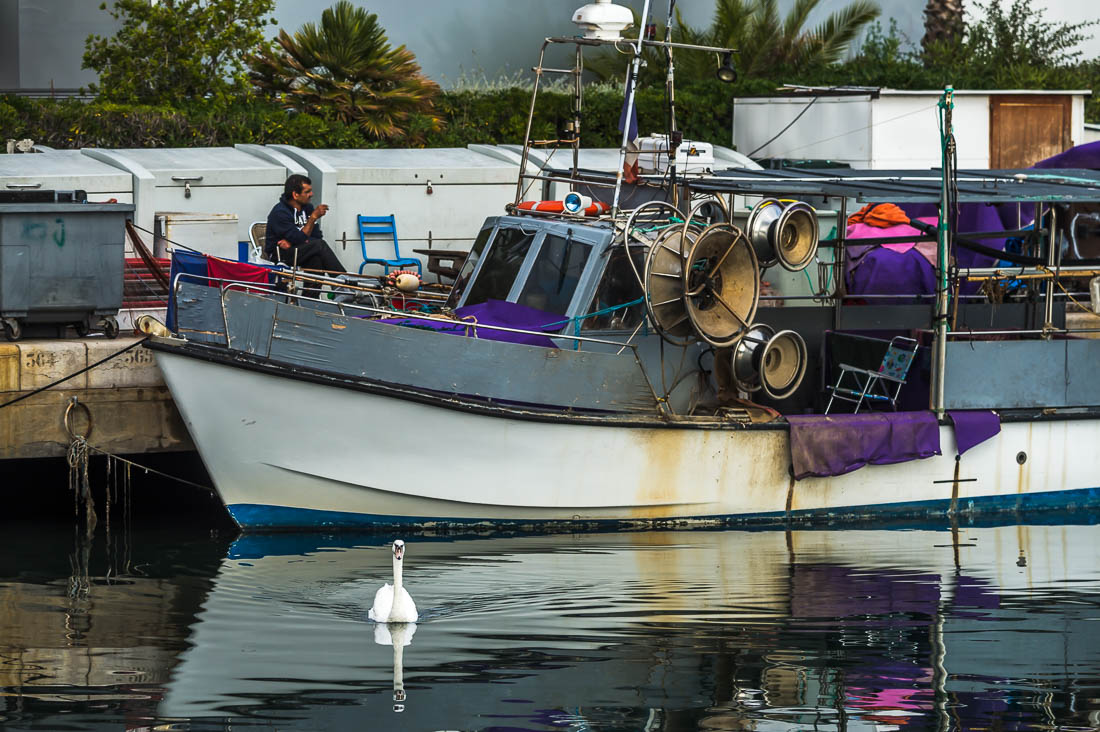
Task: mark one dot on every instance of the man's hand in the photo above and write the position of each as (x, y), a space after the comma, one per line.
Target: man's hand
(284, 244)
(319, 211)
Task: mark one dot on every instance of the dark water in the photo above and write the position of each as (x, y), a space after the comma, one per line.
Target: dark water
(715, 630)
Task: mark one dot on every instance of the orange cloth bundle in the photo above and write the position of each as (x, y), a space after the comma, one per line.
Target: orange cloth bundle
(882, 215)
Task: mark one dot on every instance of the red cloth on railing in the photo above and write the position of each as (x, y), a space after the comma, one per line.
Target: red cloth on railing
(239, 271)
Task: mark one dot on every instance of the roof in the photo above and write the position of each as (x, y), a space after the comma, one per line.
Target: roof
(798, 92)
(910, 186)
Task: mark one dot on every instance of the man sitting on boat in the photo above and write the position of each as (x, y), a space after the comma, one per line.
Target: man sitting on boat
(293, 233)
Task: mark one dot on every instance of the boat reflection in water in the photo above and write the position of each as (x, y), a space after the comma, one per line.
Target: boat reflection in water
(765, 630)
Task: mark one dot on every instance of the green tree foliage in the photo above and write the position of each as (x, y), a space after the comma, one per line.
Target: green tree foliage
(1000, 48)
(346, 65)
(176, 50)
(766, 43)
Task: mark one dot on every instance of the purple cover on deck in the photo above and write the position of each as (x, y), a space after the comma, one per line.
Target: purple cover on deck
(835, 444)
(1080, 156)
(494, 312)
(973, 427)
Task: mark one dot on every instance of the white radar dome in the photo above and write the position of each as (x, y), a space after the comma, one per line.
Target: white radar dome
(603, 19)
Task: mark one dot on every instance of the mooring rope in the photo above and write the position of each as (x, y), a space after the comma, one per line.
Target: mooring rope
(63, 379)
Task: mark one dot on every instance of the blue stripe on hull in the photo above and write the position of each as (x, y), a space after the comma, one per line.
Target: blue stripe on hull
(252, 516)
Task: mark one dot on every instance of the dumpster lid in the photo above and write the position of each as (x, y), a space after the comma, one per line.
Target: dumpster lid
(63, 170)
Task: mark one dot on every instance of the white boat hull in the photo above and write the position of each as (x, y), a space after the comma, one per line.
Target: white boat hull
(290, 453)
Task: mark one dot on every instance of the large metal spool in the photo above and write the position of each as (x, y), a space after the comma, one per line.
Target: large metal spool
(769, 361)
(664, 286)
(785, 232)
(721, 284)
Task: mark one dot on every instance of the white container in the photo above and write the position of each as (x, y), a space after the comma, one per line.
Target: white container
(1094, 293)
(607, 160)
(692, 157)
(446, 193)
(66, 170)
(245, 181)
(212, 233)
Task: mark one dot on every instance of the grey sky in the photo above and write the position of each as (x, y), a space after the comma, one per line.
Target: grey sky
(503, 36)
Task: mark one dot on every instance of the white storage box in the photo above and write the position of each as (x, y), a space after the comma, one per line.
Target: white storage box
(692, 157)
(210, 233)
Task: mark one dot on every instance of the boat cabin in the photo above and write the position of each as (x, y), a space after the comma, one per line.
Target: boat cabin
(571, 270)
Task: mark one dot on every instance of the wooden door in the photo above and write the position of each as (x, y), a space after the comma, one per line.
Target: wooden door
(1027, 128)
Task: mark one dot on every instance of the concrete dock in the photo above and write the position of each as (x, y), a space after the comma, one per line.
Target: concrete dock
(121, 406)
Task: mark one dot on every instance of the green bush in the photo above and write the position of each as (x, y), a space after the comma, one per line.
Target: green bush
(491, 116)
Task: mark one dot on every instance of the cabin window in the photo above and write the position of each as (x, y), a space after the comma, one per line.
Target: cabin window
(463, 279)
(555, 274)
(501, 266)
(618, 286)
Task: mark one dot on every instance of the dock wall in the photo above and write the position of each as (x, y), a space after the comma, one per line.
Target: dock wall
(122, 406)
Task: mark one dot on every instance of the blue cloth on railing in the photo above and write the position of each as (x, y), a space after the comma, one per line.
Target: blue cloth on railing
(835, 444)
(186, 263)
(973, 427)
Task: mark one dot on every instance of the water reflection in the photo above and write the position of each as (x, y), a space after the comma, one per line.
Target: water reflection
(729, 630)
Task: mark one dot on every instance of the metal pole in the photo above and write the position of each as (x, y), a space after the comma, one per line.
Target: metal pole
(578, 67)
(1053, 260)
(947, 103)
(530, 119)
(839, 258)
(670, 86)
(632, 80)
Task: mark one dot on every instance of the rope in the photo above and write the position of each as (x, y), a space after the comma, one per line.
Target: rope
(132, 346)
(577, 320)
(92, 448)
(1054, 278)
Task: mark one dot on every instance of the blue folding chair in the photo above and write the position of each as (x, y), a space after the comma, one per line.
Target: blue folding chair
(883, 385)
(383, 225)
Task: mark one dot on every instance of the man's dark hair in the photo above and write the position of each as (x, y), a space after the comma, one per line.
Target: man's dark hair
(294, 184)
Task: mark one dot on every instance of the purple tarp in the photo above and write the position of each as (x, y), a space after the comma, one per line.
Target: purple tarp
(1081, 156)
(835, 444)
(494, 312)
(973, 427)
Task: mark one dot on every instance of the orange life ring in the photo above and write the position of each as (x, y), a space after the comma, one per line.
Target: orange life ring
(597, 207)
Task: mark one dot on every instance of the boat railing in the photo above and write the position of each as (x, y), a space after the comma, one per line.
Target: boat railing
(343, 308)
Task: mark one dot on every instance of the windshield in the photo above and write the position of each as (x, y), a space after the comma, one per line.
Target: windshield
(463, 279)
(618, 287)
(555, 274)
(501, 266)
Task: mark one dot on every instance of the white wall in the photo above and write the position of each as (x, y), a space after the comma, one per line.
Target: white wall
(905, 132)
(834, 128)
(897, 130)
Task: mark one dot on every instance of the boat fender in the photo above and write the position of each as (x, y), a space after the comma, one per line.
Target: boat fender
(597, 207)
(404, 280)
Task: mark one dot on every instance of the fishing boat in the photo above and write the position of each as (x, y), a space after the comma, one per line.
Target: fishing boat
(607, 357)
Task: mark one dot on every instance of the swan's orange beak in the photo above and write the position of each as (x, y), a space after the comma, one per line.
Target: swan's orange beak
(398, 550)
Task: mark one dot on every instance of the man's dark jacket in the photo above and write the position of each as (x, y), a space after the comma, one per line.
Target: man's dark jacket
(280, 225)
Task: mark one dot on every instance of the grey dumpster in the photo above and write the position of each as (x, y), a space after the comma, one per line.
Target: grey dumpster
(61, 263)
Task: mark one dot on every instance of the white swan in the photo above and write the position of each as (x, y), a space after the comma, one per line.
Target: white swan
(392, 603)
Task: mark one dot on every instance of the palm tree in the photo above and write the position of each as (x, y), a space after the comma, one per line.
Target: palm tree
(347, 66)
(943, 23)
(765, 42)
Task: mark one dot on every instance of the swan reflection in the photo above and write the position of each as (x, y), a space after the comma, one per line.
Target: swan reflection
(397, 635)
